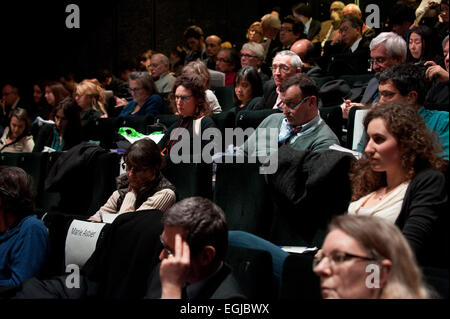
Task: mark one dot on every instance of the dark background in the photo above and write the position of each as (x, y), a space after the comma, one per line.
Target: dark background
(36, 44)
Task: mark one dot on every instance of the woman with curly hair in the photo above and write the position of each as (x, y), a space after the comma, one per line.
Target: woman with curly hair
(188, 95)
(400, 178)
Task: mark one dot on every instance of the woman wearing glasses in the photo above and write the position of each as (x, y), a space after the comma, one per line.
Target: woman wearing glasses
(65, 133)
(146, 100)
(188, 94)
(366, 257)
(143, 187)
(400, 179)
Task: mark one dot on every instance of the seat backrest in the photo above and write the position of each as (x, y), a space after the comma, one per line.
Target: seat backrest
(332, 115)
(241, 191)
(190, 179)
(358, 127)
(225, 96)
(298, 280)
(246, 119)
(253, 270)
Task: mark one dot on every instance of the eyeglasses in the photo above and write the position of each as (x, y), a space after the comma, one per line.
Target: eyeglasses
(183, 98)
(223, 60)
(336, 258)
(134, 89)
(380, 60)
(248, 56)
(165, 247)
(285, 30)
(293, 107)
(283, 68)
(134, 169)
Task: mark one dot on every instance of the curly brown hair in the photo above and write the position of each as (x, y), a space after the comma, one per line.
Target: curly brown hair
(195, 84)
(419, 148)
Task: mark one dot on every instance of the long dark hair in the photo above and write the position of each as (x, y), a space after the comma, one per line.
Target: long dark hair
(195, 84)
(72, 131)
(252, 76)
(430, 45)
(22, 115)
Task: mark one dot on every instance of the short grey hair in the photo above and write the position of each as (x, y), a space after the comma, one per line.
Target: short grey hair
(296, 62)
(145, 79)
(445, 41)
(162, 58)
(395, 44)
(256, 48)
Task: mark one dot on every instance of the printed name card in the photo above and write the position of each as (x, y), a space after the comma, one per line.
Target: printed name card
(81, 241)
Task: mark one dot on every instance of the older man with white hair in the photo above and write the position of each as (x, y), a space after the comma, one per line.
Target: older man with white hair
(159, 68)
(252, 54)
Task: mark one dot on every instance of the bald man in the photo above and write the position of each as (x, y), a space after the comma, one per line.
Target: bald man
(353, 10)
(330, 28)
(305, 50)
(213, 43)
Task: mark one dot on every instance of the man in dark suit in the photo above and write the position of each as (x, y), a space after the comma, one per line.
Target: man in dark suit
(349, 54)
(302, 11)
(285, 64)
(194, 240)
(10, 100)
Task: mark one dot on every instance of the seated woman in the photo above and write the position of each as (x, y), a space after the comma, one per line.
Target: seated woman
(66, 132)
(55, 92)
(90, 97)
(199, 68)
(356, 244)
(400, 179)
(24, 240)
(146, 100)
(188, 93)
(145, 187)
(423, 46)
(248, 90)
(39, 105)
(255, 32)
(17, 136)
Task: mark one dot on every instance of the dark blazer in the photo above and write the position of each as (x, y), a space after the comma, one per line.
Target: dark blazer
(371, 91)
(314, 29)
(222, 285)
(270, 96)
(423, 217)
(341, 60)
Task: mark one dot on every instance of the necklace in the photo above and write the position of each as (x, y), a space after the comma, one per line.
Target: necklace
(383, 194)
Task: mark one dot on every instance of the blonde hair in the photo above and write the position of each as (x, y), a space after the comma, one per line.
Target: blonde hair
(92, 88)
(384, 240)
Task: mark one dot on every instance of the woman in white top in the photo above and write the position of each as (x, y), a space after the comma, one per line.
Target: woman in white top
(145, 187)
(16, 137)
(400, 177)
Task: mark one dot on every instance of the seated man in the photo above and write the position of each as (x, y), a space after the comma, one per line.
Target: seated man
(285, 64)
(24, 240)
(406, 83)
(252, 54)
(213, 43)
(159, 69)
(300, 125)
(349, 54)
(195, 240)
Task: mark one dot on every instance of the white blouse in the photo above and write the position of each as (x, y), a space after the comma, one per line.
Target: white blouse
(388, 208)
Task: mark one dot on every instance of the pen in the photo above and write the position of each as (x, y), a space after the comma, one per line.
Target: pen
(101, 216)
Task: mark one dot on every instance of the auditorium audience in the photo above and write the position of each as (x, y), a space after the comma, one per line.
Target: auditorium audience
(400, 178)
(146, 100)
(176, 58)
(329, 29)
(9, 101)
(39, 105)
(196, 42)
(291, 30)
(355, 243)
(252, 54)
(24, 240)
(303, 12)
(17, 136)
(255, 33)
(144, 186)
(422, 46)
(213, 43)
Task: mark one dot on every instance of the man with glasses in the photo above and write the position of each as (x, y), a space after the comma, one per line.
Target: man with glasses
(300, 124)
(285, 64)
(386, 50)
(9, 101)
(159, 69)
(194, 243)
(291, 30)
